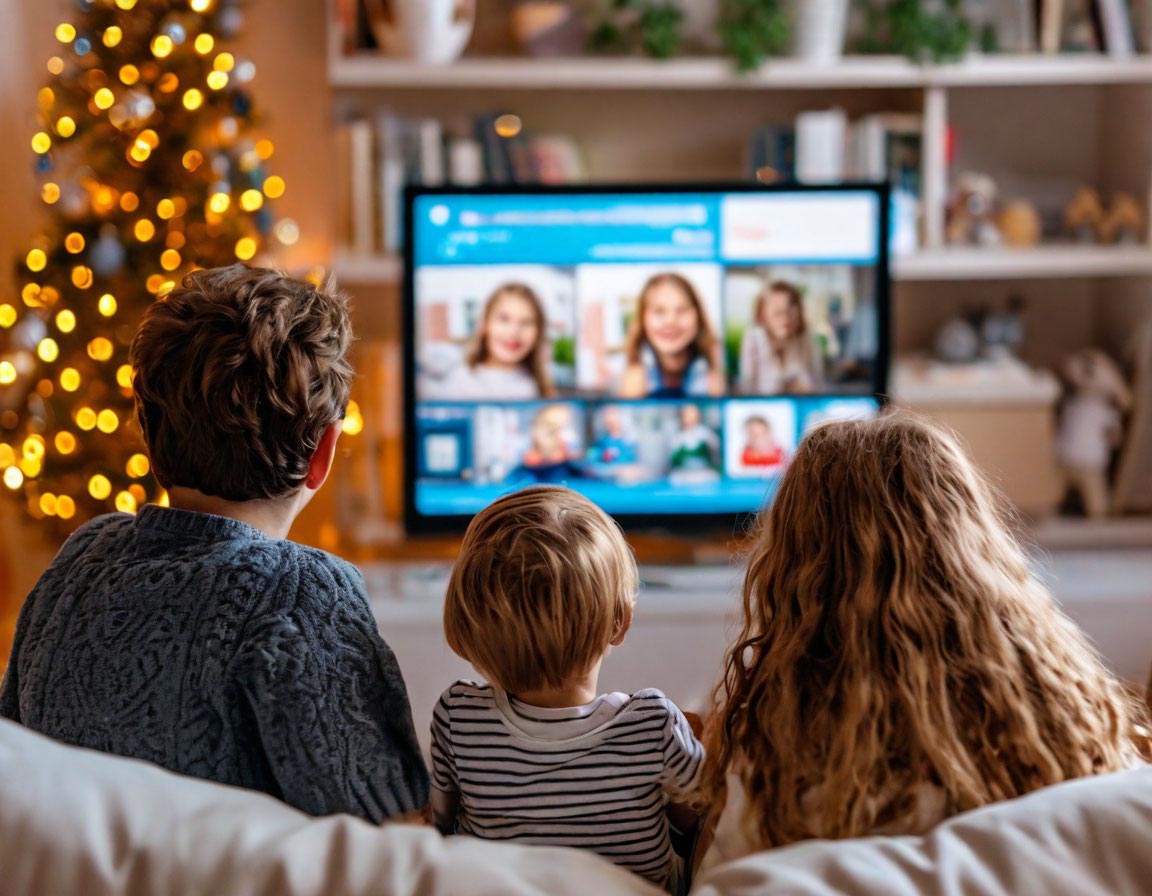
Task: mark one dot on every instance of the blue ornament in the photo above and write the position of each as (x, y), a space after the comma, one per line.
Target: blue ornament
(85, 5)
(176, 31)
(82, 46)
(107, 255)
(44, 164)
(264, 220)
(241, 103)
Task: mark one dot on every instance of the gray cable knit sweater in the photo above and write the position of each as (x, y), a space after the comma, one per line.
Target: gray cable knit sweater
(203, 645)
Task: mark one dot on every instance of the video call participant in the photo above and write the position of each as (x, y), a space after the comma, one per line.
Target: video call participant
(552, 456)
(777, 353)
(508, 354)
(760, 446)
(672, 350)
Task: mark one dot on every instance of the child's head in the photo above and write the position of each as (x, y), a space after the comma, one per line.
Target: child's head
(671, 320)
(689, 416)
(550, 429)
(240, 374)
(513, 333)
(893, 637)
(543, 585)
(758, 432)
(780, 311)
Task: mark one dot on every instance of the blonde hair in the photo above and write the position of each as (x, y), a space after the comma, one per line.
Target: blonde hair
(535, 363)
(894, 636)
(703, 346)
(543, 584)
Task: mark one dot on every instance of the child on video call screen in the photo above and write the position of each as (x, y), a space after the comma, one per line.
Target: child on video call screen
(662, 353)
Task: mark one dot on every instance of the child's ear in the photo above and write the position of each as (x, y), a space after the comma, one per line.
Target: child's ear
(623, 623)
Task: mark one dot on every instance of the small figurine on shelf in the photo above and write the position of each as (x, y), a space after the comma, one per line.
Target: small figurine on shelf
(958, 340)
(969, 216)
(1019, 224)
(1091, 426)
(1083, 215)
(1002, 330)
(1124, 221)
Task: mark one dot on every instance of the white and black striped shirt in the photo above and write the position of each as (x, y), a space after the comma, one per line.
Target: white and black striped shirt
(596, 777)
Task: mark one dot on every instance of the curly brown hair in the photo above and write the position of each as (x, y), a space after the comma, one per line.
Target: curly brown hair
(894, 636)
(238, 372)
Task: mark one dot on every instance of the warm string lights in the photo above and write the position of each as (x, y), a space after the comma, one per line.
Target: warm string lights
(148, 170)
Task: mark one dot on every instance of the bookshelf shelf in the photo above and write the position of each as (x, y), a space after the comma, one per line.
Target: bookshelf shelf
(1045, 262)
(371, 71)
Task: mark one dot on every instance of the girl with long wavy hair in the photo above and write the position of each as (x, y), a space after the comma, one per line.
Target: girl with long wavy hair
(899, 662)
(671, 350)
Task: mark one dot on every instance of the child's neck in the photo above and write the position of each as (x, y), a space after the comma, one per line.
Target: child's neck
(577, 691)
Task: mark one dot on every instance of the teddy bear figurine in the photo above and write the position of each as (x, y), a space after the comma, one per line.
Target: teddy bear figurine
(1083, 215)
(1091, 425)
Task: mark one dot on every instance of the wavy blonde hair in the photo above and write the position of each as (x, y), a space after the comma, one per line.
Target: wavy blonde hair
(705, 345)
(893, 637)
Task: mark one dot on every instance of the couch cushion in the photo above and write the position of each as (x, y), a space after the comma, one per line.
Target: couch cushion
(1086, 837)
(74, 821)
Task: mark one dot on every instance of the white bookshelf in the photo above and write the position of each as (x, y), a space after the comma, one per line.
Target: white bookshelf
(373, 72)
(1030, 121)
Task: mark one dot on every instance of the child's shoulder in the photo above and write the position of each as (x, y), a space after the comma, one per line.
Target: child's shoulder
(466, 692)
(651, 701)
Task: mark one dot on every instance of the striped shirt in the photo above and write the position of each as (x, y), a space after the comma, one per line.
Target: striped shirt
(596, 776)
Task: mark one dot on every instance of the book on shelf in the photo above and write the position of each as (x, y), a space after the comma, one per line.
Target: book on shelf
(382, 153)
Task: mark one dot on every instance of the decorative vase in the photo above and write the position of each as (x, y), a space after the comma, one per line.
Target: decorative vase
(433, 32)
(818, 28)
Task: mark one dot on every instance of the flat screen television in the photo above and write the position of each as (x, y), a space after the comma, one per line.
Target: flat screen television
(660, 348)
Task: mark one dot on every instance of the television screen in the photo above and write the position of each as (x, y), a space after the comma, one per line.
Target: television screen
(660, 349)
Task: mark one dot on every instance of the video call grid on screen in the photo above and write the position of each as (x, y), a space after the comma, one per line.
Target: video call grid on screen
(660, 349)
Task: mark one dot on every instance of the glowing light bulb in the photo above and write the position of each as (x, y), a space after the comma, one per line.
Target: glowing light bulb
(168, 83)
(140, 151)
(125, 502)
(81, 276)
(170, 259)
(31, 468)
(274, 187)
(192, 160)
(66, 321)
(287, 231)
(174, 240)
(7, 373)
(353, 420)
(65, 126)
(65, 33)
(106, 304)
(251, 200)
(165, 209)
(126, 4)
(69, 379)
(104, 200)
(7, 316)
(48, 350)
(129, 75)
(33, 447)
(50, 193)
(124, 376)
(7, 455)
(162, 46)
(104, 98)
(112, 36)
(149, 138)
(225, 62)
(217, 80)
(99, 487)
(153, 283)
(74, 243)
(107, 421)
(508, 125)
(41, 143)
(193, 99)
(32, 295)
(100, 349)
(137, 466)
(48, 504)
(201, 5)
(144, 230)
(129, 202)
(204, 44)
(245, 248)
(219, 203)
(56, 65)
(65, 507)
(36, 260)
(65, 442)
(13, 478)
(86, 418)
(264, 149)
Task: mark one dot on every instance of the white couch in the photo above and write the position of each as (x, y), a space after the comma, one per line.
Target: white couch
(78, 822)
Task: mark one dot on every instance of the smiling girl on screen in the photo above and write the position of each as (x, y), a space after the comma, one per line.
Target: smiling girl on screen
(777, 353)
(508, 354)
(672, 351)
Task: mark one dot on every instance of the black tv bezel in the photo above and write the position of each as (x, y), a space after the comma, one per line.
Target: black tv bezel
(416, 523)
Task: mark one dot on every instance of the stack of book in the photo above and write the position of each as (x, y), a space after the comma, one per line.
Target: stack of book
(382, 154)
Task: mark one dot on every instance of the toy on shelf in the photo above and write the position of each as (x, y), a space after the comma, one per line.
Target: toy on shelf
(1083, 215)
(1124, 221)
(1019, 224)
(970, 213)
(957, 341)
(1002, 330)
(1133, 489)
(982, 335)
(1091, 426)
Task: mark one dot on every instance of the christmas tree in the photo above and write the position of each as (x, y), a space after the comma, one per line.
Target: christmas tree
(149, 168)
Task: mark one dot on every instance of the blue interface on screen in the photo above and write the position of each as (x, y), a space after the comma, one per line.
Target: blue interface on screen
(663, 353)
